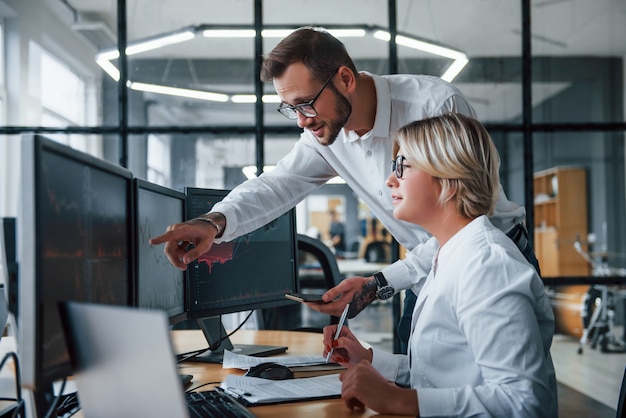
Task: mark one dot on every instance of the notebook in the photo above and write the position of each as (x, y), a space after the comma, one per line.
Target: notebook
(124, 362)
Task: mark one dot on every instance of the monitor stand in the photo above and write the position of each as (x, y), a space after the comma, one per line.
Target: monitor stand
(214, 331)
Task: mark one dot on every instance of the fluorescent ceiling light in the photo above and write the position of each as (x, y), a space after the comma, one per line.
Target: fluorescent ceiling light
(454, 69)
(109, 68)
(428, 47)
(460, 59)
(275, 33)
(251, 98)
(104, 58)
(160, 42)
(243, 98)
(175, 91)
(108, 55)
(271, 98)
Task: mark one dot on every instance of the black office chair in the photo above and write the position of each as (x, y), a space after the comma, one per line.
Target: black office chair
(326, 259)
(621, 411)
(311, 252)
(378, 252)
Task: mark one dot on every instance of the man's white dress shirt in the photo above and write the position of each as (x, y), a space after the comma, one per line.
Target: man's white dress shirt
(365, 164)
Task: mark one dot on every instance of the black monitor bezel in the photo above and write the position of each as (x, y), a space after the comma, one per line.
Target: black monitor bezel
(279, 300)
(8, 235)
(164, 191)
(30, 259)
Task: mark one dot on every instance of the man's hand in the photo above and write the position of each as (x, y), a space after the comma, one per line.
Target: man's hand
(178, 237)
(357, 291)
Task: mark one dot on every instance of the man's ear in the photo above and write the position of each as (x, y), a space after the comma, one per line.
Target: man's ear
(346, 80)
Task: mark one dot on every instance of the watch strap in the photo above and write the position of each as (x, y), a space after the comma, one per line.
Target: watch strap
(381, 281)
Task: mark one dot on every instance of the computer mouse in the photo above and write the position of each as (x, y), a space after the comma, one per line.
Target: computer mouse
(271, 371)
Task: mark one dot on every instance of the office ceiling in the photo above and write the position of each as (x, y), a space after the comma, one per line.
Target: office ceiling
(483, 29)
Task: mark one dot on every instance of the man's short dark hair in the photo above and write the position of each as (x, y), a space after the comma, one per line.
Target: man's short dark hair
(317, 49)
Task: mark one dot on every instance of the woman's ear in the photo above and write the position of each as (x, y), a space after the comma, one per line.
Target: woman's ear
(450, 193)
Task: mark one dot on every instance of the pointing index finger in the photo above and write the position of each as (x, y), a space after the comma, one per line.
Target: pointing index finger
(166, 237)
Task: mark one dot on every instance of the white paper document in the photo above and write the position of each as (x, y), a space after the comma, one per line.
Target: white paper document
(254, 390)
(240, 361)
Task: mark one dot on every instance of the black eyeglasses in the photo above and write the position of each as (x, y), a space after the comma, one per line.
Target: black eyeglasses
(306, 109)
(397, 166)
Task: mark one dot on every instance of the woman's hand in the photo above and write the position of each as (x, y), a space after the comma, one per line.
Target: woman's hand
(362, 386)
(347, 348)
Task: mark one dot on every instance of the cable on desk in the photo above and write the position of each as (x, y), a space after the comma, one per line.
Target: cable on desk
(219, 342)
(201, 386)
(53, 407)
(68, 406)
(215, 345)
(19, 410)
(190, 354)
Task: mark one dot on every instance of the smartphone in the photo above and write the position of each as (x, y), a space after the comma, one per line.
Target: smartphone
(304, 297)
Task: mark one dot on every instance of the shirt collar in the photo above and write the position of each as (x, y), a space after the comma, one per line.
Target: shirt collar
(383, 111)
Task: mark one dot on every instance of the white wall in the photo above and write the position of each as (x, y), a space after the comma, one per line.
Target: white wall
(27, 23)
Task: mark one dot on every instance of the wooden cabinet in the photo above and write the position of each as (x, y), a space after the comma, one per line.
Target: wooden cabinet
(560, 219)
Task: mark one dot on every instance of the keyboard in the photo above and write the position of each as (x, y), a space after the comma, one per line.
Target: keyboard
(215, 404)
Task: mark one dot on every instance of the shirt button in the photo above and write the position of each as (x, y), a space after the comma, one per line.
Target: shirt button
(369, 153)
(380, 193)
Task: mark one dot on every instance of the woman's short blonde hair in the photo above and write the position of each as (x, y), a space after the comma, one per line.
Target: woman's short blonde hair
(458, 151)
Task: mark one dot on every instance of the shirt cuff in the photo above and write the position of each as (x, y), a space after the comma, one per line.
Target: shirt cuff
(385, 363)
(231, 222)
(398, 275)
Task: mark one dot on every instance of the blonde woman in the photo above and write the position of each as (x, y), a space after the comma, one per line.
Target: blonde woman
(482, 324)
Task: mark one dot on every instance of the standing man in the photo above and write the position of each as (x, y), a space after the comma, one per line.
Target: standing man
(337, 233)
(349, 119)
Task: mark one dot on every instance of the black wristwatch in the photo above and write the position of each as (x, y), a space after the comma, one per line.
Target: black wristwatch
(383, 289)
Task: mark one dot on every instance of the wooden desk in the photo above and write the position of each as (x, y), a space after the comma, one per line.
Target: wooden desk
(299, 343)
(359, 267)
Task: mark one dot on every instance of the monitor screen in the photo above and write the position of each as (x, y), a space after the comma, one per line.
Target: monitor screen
(74, 228)
(159, 285)
(251, 272)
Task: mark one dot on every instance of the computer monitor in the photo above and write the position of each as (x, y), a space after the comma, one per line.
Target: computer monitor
(251, 272)
(158, 284)
(74, 244)
(8, 237)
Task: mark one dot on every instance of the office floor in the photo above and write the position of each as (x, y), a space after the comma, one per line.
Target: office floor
(593, 373)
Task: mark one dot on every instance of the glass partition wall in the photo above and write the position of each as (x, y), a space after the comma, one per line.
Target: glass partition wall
(183, 104)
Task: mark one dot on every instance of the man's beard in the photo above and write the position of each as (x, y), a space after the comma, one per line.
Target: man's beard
(343, 108)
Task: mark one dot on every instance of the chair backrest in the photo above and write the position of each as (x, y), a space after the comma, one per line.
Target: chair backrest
(621, 411)
(324, 256)
(378, 252)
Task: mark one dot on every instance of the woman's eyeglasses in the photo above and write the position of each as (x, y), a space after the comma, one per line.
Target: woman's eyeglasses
(398, 167)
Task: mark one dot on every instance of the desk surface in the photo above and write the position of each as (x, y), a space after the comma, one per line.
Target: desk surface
(299, 343)
(359, 267)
